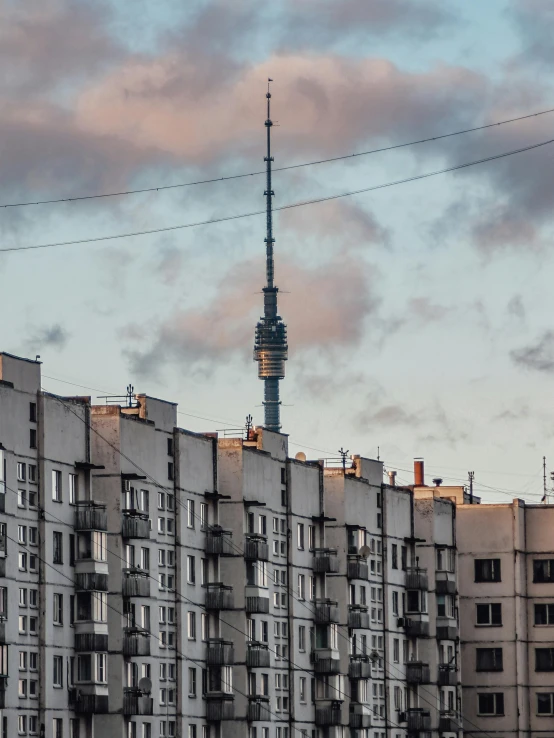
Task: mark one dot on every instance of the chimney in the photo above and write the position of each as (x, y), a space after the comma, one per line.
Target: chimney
(419, 476)
(392, 478)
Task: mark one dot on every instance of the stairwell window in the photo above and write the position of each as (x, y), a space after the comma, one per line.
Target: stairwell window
(300, 535)
(56, 485)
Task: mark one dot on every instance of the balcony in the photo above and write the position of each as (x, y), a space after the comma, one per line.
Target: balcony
(256, 599)
(325, 561)
(326, 611)
(219, 706)
(219, 542)
(416, 624)
(91, 581)
(360, 715)
(358, 616)
(357, 568)
(256, 548)
(220, 652)
(258, 709)
(418, 720)
(135, 525)
(136, 583)
(359, 667)
(449, 722)
(328, 714)
(447, 629)
(91, 642)
(219, 597)
(88, 704)
(91, 516)
(445, 582)
(2, 631)
(136, 642)
(448, 676)
(137, 703)
(257, 655)
(416, 578)
(325, 661)
(418, 673)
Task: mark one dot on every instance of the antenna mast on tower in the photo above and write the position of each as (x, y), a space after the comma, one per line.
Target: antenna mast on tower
(270, 342)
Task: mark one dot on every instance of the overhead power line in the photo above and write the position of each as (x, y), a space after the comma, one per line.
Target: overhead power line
(160, 188)
(302, 203)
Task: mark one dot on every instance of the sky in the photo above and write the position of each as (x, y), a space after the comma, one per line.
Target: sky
(419, 315)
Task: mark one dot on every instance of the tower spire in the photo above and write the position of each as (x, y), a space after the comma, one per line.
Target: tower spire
(270, 342)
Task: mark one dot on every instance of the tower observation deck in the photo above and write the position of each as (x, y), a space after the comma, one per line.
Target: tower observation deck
(270, 342)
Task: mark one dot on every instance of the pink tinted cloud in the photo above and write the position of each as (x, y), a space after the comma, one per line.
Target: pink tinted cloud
(325, 306)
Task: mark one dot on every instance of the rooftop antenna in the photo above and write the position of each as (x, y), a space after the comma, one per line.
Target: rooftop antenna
(129, 395)
(343, 455)
(248, 426)
(471, 477)
(270, 342)
(544, 496)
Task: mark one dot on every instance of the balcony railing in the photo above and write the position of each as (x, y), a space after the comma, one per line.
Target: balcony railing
(416, 578)
(258, 709)
(219, 596)
(257, 655)
(416, 625)
(135, 584)
(357, 568)
(329, 714)
(325, 664)
(358, 616)
(418, 673)
(256, 600)
(326, 611)
(91, 581)
(445, 582)
(91, 516)
(360, 716)
(88, 704)
(219, 542)
(449, 722)
(91, 642)
(256, 548)
(359, 667)
(220, 652)
(137, 703)
(325, 561)
(135, 526)
(448, 676)
(219, 706)
(136, 643)
(447, 629)
(418, 720)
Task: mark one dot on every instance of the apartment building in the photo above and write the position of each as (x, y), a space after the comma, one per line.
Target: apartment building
(506, 559)
(169, 583)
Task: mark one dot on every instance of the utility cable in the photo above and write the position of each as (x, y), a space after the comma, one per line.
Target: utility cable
(290, 206)
(277, 169)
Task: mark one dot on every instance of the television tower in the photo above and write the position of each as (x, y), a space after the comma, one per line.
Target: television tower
(270, 342)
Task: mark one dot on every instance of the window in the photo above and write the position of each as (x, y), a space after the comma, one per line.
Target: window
(301, 587)
(33, 598)
(192, 731)
(404, 557)
(203, 515)
(33, 661)
(311, 537)
(22, 724)
(487, 570)
(544, 614)
(22, 688)
(396, 650)
(58, 609)
(394, 556)
(21, 498)
(72, 489)
(395, 603)
(545, 701)
(22, 559)
(262, 525)
(56, 485)
(543, 570)
(57, 555)
(32, 438)
(191, 626)
(488, 659)
(161, 525)
(490, 703)
(33, 536)
(161, 500)
(300, 535)
(22, 534)
(21, 472)
(145, 559)
(544, 659)
(58, 671)
(32, 468)
(57, 727)
(33, 622)
(489, 614)
(170, 474)
(170, 446)
(191, 570)
(33, 412)
(192, 682)
(22, 624)
(302, 689)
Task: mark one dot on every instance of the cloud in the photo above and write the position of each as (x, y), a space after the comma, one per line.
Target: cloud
(516, 308)
(534, 21)
(326, 307)
(53, 336)
(537, 357)
(425, 310)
